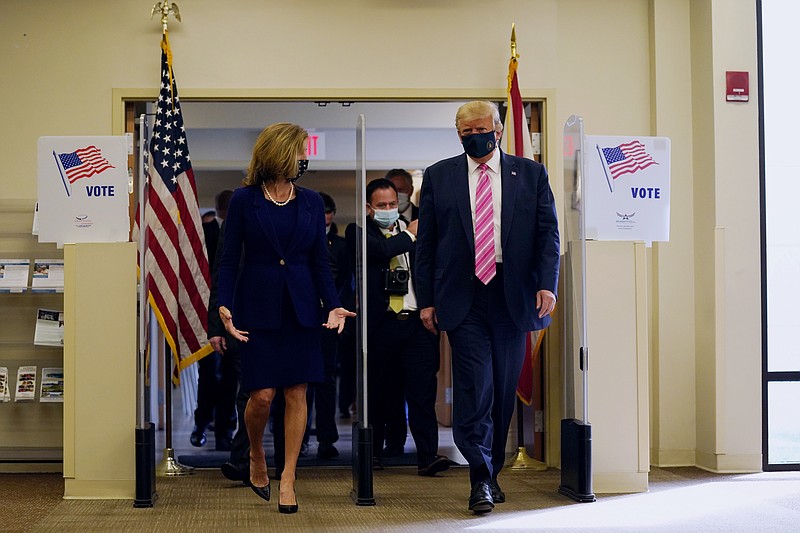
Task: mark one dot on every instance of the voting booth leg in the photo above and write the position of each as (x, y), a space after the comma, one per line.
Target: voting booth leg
(145, 466)
(576, 460)
(362, 466)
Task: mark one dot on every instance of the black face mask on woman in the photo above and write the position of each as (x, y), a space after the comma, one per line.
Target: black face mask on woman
(479, 145)
(302, 166)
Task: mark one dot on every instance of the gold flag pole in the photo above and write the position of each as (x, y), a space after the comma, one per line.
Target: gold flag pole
(168, 466)
(166, 9)
(522, 461)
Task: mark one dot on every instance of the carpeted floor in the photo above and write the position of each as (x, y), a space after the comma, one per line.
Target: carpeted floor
(680, 500)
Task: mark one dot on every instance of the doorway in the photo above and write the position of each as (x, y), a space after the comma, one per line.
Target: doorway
(401, 134)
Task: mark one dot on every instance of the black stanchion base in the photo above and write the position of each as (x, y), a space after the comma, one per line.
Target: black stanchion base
(145, 466)
(576, 461)
(362, 466)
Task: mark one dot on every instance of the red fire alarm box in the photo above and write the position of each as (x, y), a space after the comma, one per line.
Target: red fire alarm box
(737, 86)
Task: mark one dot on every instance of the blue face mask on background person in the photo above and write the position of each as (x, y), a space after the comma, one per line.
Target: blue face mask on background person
(385, 218)
(479, 145)
(302, 166)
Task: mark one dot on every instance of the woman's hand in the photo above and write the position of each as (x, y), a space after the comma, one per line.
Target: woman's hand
(336, 318)
(227, 321)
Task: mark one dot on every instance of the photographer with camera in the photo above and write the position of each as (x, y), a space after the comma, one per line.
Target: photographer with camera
(402, 353)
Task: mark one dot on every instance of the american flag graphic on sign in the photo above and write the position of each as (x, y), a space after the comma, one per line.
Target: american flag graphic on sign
(627, 158)
(83, 163)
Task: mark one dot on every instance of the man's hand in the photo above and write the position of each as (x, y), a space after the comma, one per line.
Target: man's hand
(545, 302)
(412, 227)
(429, 320)
(218, 343)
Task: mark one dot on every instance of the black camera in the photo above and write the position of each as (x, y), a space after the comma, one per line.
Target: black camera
(395, 281)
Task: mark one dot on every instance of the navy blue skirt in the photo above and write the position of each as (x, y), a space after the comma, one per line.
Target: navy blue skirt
(288, 355)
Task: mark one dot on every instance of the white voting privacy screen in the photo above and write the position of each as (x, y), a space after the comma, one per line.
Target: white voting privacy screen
(627, 188)
(83, 189)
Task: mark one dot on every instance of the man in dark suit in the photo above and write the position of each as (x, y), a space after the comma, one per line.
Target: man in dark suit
(487, 270)
(217, 376)
(396, 423)
(403, 355)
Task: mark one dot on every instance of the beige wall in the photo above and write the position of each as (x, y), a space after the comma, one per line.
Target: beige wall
(634, 67)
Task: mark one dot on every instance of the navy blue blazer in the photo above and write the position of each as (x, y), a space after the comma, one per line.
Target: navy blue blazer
(303, 267)
(445, 265)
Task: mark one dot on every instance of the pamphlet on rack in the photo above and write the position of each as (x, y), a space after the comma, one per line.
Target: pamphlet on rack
(14, 274)
(48, 275)
(26, 384)
(49, 328)
(5, 396)
(52, 387)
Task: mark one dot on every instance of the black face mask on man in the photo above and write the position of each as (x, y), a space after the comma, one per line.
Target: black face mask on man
(479, 145)
(302, 166)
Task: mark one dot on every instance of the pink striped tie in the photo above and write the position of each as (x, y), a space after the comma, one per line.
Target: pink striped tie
(485, 267)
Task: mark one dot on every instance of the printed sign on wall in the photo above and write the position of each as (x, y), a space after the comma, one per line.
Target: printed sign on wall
(627, 188)
(83, 189)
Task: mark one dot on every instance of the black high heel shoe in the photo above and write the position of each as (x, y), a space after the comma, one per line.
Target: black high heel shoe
(262, 492)
(286, 509)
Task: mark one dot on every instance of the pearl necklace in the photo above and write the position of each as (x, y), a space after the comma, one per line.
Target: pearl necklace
(273, 200)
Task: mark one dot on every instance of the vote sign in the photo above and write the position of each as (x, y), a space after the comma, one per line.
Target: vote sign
(627, 188)
(83, 189)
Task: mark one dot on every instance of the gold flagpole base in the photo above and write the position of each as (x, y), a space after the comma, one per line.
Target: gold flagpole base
(523, 462)
(170, 467)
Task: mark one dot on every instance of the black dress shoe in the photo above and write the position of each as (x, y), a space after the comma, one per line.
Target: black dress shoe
(287, 509)
(439, 464)
(377, 464)
(480, 499)
(327, 451)
(233, 472)
(197, 438)
(262, 492)
(497, 493)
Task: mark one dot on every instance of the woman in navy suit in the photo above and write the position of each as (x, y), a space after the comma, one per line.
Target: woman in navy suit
(277, 231)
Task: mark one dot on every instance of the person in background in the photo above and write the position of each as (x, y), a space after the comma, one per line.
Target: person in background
(405, 190)
(324, 393)
(276, 230)
(216, 375)
(402, 354)
(487, 271)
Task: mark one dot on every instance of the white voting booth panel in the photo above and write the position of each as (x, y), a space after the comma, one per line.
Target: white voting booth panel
(83, 203)
(621, 191)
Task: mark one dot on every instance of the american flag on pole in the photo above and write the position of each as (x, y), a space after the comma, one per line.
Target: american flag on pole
(175, 257)
(627, 158)
(83, 163)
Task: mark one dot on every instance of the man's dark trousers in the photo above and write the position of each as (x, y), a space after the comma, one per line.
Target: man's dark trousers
(488, 350)
(402, 353)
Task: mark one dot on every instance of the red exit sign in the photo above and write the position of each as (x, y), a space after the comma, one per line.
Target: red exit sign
(316, 145)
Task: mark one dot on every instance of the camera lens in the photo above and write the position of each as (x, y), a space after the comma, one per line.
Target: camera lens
(401, 276)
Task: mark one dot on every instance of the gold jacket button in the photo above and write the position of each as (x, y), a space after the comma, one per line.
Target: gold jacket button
(283, 262)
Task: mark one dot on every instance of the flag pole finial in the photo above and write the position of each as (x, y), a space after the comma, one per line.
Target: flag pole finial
(514, 55)
(166, 9)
